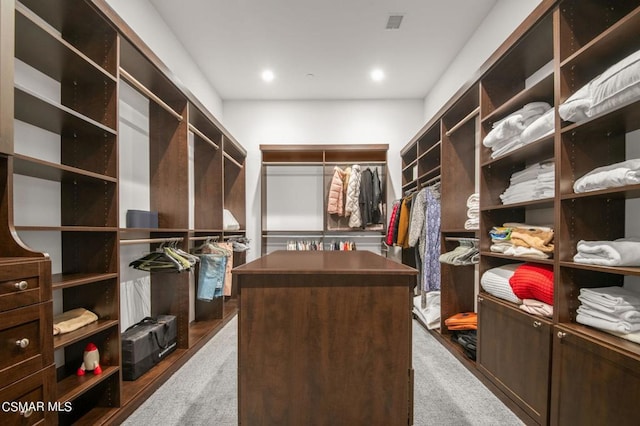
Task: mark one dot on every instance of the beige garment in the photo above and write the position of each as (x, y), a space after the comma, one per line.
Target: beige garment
(536, 238)
(72, 320)
(228, 279)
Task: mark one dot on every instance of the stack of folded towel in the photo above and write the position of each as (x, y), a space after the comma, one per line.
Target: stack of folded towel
(533, 183)
(473, 212)
(620, 252)
(507, 134)
(612, 309)
(611, 176)
(522, 240)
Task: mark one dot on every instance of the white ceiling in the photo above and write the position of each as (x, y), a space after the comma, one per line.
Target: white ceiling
(338, 41)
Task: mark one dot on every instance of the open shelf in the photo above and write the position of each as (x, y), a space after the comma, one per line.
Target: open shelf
(517, 258)
(60, 281)
(62, 340)
(73, 386)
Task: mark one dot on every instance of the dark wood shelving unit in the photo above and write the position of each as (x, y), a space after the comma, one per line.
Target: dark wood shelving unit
(88, 52)
(572, 361)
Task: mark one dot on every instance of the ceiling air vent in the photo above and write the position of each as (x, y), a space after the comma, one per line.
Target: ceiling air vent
(393, 23)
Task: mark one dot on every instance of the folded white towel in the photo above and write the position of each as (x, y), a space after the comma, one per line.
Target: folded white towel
(542, 126)
(500, 247)
(473, 213)
(631, 316)
(621, 252)
(537, 307)
(513, 124)
(611, 297)
(472, 224)
(611, 176)
(618, 326)
(473, 200)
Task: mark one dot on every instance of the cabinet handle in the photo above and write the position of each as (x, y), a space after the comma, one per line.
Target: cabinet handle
(26, 413)
(22, 343)
(561, 334)
(21, 285)
(537, 324)
(480, 299)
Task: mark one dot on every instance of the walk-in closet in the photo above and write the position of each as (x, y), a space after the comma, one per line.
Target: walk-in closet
(284, 213)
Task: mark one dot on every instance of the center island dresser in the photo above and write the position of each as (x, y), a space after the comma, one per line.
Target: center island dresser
(324, 337)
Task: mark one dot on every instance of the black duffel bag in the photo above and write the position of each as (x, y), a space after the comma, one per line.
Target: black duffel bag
(147, 342)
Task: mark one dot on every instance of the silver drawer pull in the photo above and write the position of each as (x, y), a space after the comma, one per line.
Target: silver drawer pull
(21, 285)
(26, 414)
(562, 334)
(537, 324)
(22, 343)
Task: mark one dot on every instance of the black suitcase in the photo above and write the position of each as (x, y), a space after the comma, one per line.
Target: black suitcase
(147, 342)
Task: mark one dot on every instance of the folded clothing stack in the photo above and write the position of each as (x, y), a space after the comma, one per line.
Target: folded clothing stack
(620, 252)
(473, 212)
(612, 309)
(528, 285)
(507, 134)
(533, 183)
(611, 176)
(522, 240)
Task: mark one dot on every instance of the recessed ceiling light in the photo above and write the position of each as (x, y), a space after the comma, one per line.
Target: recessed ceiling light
(377, 75)
(268, 76)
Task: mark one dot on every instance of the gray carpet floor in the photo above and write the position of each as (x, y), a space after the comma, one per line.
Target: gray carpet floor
(203, 391)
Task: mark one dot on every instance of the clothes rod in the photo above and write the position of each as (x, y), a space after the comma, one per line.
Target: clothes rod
(351, 163)
(203, 136)
(149, 94)
(150, 240)
(292, 163)
(233, 160)
(432, 180)
(208, 237)
(463, 121)
(474, 239)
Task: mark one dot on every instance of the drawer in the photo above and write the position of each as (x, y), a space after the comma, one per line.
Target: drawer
(26, 341)
(24, 283)
(27, 402)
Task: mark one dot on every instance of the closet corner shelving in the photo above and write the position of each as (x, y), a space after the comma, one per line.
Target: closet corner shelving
(60, 213)
(305, 217)
(560, 47)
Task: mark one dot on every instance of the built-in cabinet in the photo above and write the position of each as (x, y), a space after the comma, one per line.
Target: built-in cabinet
(64, 239)
(296, 180)
(548, 370)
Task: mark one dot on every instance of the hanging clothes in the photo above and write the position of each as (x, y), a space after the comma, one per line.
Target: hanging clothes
(352, 205)
(335, 201)
(431, 261)
(213, 270)
(376, 213)
(403, 223)
(391, 228)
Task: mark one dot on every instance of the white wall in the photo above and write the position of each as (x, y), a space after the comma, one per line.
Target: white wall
(147, 23)
(501, 21)
(318, 122)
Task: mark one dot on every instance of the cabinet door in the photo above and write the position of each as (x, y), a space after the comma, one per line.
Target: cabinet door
(514, 353)
(593, 384)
